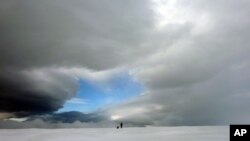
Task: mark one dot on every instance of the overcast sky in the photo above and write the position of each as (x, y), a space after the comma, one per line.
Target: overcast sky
(145, 62)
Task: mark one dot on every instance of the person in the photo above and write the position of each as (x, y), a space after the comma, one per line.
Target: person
(121, 124)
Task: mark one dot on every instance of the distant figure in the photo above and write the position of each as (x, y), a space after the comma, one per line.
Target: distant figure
(117, 127)
(121, 124)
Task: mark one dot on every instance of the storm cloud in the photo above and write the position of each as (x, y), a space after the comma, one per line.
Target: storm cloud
(192, 57)
(35, 91)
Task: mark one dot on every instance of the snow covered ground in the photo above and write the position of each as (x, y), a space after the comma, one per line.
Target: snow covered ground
(202, 133)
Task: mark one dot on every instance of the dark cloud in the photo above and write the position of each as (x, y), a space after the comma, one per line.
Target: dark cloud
(39, 92)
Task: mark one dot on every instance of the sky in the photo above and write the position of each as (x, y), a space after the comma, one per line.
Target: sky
(92, 95)
(144, 62)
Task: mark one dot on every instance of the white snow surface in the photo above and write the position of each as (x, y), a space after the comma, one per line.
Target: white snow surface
(188, 133)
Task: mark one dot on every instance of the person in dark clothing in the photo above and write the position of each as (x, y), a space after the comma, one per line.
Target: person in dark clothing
(121, 124)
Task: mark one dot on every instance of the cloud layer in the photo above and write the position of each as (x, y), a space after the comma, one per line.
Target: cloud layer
(192, 57)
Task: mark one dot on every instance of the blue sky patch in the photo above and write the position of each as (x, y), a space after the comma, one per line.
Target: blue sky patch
(93, 95)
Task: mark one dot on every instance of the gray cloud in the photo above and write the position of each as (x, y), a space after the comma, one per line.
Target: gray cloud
(191, 56)
(200, 79)
(72, 33)
(37, 91)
